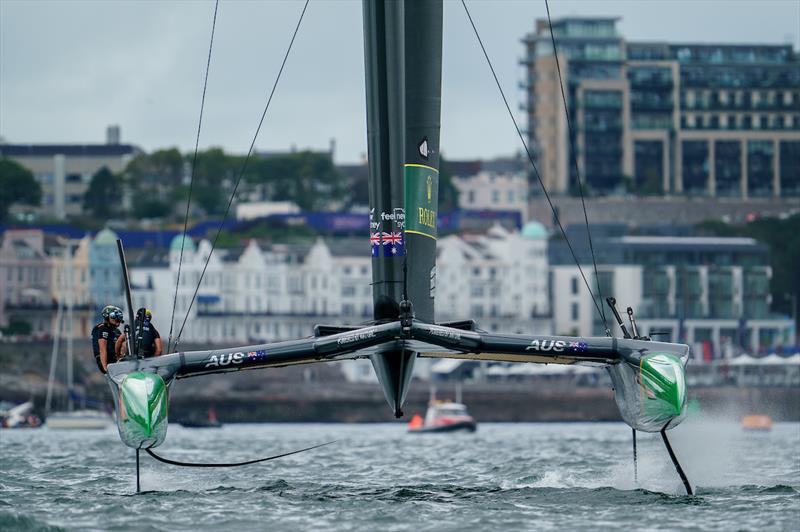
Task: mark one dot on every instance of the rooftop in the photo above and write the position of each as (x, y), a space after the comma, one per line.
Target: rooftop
(71, 150)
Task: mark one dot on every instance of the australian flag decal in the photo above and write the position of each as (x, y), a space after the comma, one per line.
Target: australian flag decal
(375, 244)
(393, 245)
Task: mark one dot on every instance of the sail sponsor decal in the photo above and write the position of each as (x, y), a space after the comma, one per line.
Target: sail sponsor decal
(423, 149)
(397, 218)
(421, 192)
(391, 239)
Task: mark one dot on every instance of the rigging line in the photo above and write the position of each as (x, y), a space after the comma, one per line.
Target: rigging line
(241, 172)
(191, 180)
(530, 158)
(577, 170)
(231, 464)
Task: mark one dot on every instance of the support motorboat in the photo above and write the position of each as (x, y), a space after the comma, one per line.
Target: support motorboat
(443, 416)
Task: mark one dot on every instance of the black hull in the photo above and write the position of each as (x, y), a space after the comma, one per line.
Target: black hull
(454, 427)
(200, 424)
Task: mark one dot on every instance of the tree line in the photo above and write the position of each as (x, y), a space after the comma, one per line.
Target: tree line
(157, 185)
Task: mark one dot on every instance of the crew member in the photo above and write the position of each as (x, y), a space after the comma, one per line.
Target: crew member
(106, 337)
(145, 335)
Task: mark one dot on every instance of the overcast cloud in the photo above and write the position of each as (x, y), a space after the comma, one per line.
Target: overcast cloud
(70, 68)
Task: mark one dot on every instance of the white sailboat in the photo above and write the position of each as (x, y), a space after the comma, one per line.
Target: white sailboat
(71, 418)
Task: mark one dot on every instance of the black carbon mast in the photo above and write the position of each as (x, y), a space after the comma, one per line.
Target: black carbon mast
(403, 64)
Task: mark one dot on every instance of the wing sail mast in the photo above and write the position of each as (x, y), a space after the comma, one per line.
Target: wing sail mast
(402, 51)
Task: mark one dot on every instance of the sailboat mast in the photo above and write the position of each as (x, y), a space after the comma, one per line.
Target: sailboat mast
(402, 55)
(70, 294)
(403, 60)
(423, 85)
(385, 73)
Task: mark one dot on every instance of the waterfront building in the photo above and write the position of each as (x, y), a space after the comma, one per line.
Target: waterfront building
(71, 286)
(64, 171)
(500, 279)
(263, 293)
(491, 191)
(719, 120)
(106, 286)
(26, 280)
(710, 292)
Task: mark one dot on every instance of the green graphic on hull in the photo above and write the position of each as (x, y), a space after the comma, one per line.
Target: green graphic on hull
(421, 194)
(663, 382)
(142, 410)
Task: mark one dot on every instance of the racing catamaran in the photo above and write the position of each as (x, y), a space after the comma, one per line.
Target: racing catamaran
(403, 56)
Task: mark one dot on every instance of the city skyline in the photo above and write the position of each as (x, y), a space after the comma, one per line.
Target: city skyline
(141, 66)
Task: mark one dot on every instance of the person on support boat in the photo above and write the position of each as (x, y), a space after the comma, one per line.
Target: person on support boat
(106, 337)
(145, 336)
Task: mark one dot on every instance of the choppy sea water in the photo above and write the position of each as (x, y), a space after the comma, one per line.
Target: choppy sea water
(378, 477)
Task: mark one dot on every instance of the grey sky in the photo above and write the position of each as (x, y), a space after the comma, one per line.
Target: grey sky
(69, 68)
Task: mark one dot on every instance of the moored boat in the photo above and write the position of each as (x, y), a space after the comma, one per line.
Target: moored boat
(78, 419)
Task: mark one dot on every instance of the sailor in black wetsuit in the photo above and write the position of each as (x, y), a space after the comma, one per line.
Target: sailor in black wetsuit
(145, 336)
(106, 336)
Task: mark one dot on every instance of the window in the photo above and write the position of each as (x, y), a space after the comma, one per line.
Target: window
(348, 291)
(471, 196)
(574, 311)
(495, 196)
(511, 196)
(574, 283)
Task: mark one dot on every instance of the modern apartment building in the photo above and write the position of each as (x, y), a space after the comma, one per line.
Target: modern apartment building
(706, 291)
(65, 170)
(717, 120)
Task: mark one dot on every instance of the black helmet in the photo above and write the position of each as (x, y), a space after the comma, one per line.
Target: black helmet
(110, 312)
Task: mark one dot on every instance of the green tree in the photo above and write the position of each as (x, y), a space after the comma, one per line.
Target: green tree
(448, 194)
(17, 326)
(215, 174)
(309, 179)
(103, 197)
(17, 185)
(154, 181)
